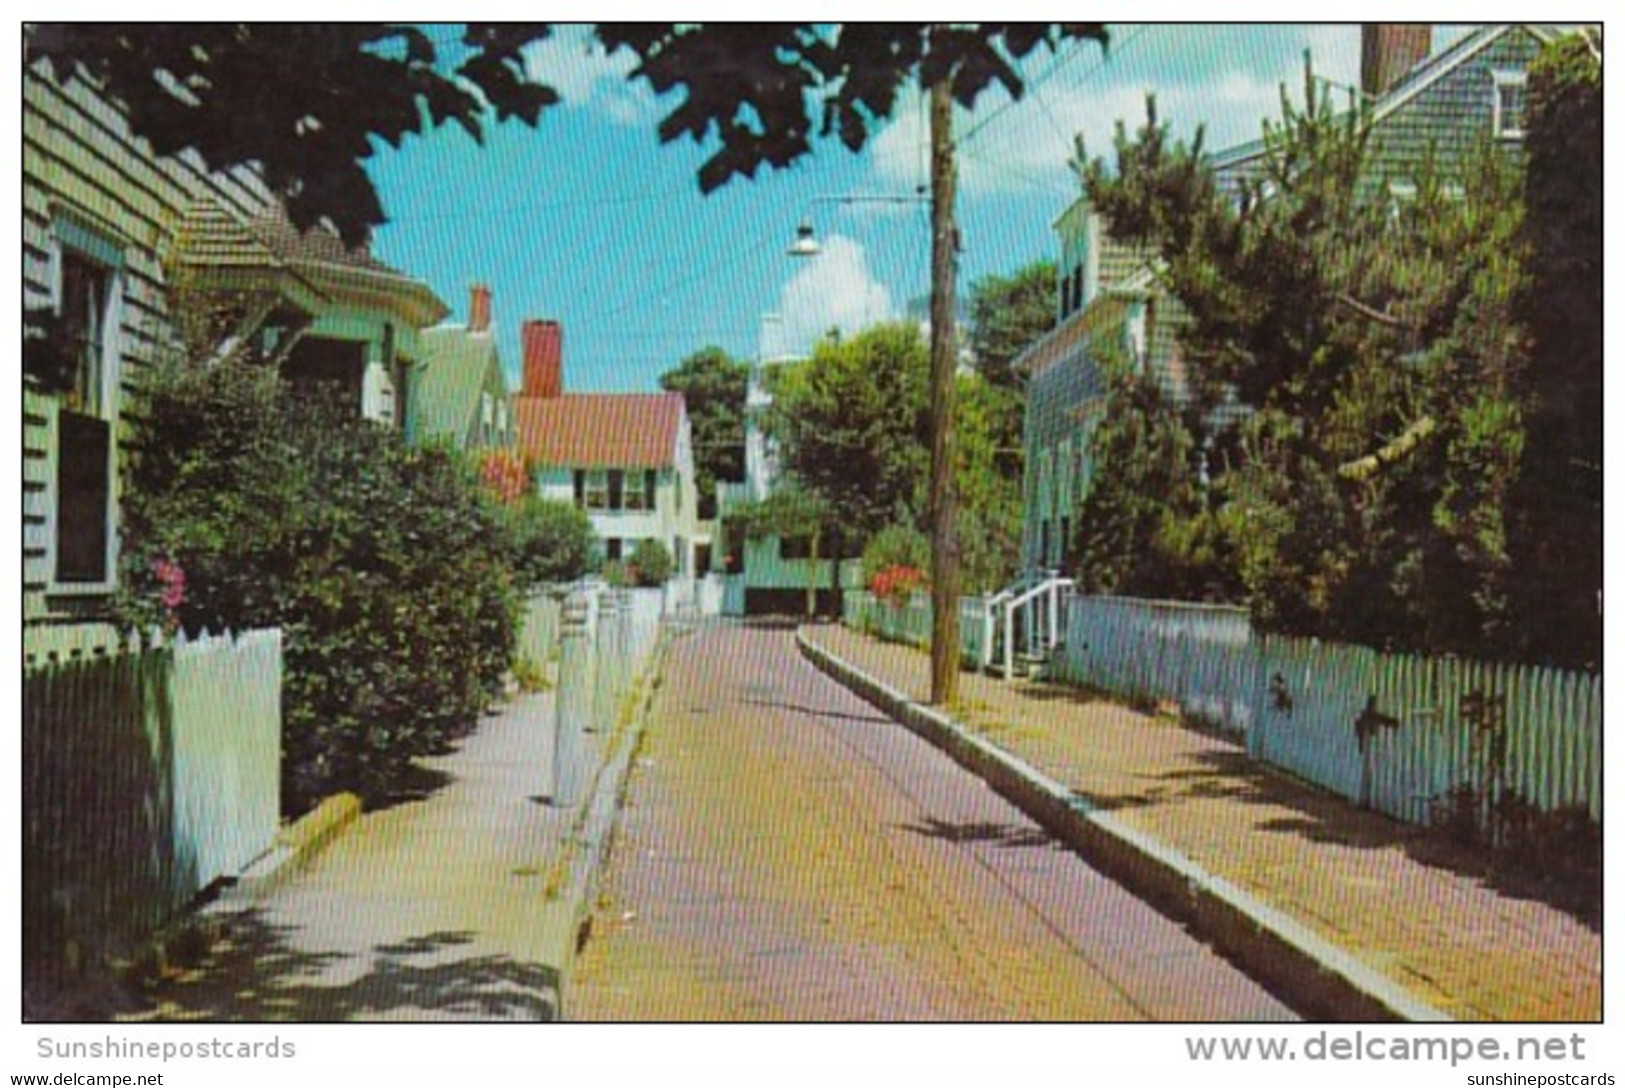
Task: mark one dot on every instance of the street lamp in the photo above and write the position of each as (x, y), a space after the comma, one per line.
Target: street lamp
(806, 243)
(944, 267)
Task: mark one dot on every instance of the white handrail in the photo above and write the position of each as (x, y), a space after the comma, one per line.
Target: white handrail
(1020, 594)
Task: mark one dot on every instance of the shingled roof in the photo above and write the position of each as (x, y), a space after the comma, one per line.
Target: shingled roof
(600, 430)
(214, 243)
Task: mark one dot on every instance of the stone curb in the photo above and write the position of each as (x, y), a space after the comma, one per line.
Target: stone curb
(294, 845)
(594, 832)
(1314, 976)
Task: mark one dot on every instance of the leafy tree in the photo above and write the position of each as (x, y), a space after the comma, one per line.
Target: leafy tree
(713, 385)
(1008, 314)
(853, 428)
(311, 103)
(1376, 344)
(1145, 527)
(852, 423)
(988, 476)
(1558, 536)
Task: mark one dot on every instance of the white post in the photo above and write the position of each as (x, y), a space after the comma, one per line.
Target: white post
(1009, 640)
(629, 641)
(572, 703)
(606, 663)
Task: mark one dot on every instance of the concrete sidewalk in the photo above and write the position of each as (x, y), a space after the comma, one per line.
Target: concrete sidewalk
(460, 901)
(1428, 916)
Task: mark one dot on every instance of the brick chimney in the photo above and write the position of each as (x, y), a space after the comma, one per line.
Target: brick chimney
(542, 345)
(479, 308)
(1388, 51)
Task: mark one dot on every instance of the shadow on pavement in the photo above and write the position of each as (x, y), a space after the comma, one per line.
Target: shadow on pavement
(416, 783)
(257, 976)
(1005, 835)
(812, 711)
(1325, 818)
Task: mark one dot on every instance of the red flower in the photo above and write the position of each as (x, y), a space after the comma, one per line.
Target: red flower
(503, 475)
(895, 584)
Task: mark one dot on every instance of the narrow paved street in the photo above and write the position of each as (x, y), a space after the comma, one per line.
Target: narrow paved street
(787, 853)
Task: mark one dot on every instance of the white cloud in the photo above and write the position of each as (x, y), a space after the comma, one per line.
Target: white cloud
(836, 289)
(1025, 147)
(572, 62)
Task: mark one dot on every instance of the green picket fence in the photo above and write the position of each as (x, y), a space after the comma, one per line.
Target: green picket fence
(909, 620)
(150, 769)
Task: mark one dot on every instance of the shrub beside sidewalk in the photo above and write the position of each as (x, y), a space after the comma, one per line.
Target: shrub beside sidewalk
(389, 570)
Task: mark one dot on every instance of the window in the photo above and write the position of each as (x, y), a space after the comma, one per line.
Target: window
(403, 396)
(612, 549)
(84, 315)
(82, 537)
(617, 489)
(640, 493)
(592, 489)
(1511, 94)
(733, 559)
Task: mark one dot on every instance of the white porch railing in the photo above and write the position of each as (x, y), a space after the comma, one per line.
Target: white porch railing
(1037, 599)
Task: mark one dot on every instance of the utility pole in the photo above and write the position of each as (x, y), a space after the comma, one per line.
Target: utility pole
(944, 362)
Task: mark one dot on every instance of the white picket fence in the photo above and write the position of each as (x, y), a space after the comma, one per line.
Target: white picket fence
(150, 768)
(1198, 656)
(1402, 734)
(538, 638)
(1398, 733)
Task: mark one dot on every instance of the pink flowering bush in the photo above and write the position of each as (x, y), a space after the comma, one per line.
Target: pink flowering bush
(171, 578)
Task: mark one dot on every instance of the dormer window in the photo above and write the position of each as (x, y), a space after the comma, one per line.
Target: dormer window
(1511, 96)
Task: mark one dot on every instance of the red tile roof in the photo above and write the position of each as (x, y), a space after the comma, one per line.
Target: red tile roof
(600, 430)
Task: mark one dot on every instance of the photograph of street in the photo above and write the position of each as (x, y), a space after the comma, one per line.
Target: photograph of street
(817, 523)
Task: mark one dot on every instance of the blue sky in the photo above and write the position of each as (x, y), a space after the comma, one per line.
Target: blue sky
(589, 220)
